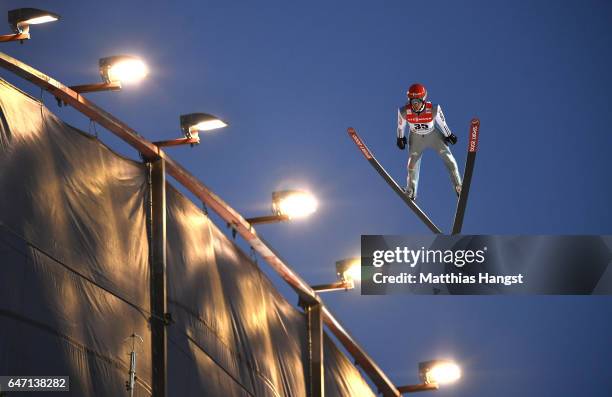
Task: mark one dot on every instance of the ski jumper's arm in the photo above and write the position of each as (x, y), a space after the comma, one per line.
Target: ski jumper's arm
(441, 122)
(401, 122)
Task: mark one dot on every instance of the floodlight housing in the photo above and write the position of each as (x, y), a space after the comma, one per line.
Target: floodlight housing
(193, 122)
(293, 203)
(123, 69)
(349, 270)
(191, 125)
(20, 19)
(439, 371)
(114, 71)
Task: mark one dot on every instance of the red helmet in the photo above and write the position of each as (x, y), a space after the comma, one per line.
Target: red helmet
(417, 91)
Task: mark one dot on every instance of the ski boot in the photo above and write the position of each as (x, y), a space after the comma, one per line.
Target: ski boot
(409, 193)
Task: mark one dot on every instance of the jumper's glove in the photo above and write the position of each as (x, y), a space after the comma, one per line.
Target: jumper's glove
(452, 139)
(401, 143)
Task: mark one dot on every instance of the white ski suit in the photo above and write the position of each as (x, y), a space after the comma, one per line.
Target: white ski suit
(428, 128)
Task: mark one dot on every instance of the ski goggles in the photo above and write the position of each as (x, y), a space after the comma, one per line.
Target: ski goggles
(416, 103)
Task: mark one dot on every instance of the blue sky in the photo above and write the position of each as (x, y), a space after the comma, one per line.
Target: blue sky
(291, 77)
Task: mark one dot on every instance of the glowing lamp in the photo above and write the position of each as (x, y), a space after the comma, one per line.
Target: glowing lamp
(193, 122)
(294, 203)
(21, 18)
(115, 71)
(191, 125)
(122, 69)
(439, 371)
(349, 270)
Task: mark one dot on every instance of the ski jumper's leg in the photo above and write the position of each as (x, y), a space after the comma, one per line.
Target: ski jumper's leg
(449, 160)
(416, 145)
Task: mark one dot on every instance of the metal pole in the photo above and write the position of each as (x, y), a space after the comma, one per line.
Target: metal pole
(337, 286)
(96, 87)
(157, 194)
(418, 388)
(314, 317)
(178, 141)
(14, 37)
(132, 373)
(260, 220)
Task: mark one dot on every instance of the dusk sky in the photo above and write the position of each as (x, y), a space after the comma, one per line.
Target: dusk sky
(290, 77)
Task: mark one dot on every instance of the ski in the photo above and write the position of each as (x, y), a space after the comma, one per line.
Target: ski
(467, 176)
(372, 160)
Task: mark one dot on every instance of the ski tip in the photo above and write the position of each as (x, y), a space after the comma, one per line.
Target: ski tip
(474, 132)
(350, 130)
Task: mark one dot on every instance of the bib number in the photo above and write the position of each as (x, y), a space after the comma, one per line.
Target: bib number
(418, 126)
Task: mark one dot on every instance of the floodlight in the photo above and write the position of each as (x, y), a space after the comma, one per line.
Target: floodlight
(115, 71)
(439, 371)
(193, 122)
(432, 374)
(21, 19)
(124, 69)
(294, 203)
(287, 205)
(191, 125)
(348, 270)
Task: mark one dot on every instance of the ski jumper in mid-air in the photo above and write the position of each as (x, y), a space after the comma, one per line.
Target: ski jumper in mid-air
(428, 128)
